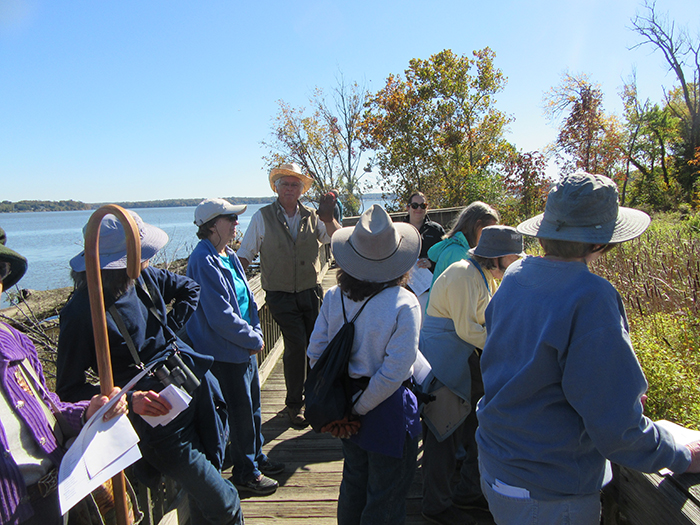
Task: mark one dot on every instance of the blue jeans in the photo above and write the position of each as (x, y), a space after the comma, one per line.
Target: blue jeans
(508, 510)
(176, 451)
(240, 385)
(374, 486)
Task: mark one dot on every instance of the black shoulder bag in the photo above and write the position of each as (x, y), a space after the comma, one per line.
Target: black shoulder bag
(327, 389)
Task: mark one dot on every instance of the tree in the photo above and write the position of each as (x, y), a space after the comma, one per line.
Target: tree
(587, 139)
(682, 54)
(438, 131)
(649, 134)
(325, 143)
(527, 183)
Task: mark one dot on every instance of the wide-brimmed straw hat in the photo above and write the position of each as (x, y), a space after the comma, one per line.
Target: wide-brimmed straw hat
(18, 264)
(210, 208)
(376, 249)
(499, 241)
(113, 243)
(290, 170)
(584, 208)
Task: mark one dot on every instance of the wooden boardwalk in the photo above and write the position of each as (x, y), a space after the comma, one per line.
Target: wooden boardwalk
(308, 492)
(309, 486)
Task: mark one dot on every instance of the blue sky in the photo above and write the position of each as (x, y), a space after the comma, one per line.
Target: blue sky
(149, 99)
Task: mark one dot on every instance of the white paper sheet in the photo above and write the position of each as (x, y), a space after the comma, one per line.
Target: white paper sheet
(178, 398)
(419, 279)
(101, 450)
(681, 434)
(421, 368)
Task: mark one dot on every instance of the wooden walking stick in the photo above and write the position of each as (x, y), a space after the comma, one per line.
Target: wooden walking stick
(99, 318)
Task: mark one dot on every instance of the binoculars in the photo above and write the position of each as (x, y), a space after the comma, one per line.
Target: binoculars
(173, 371)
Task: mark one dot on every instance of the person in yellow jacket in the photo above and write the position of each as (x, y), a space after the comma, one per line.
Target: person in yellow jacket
(452, 337)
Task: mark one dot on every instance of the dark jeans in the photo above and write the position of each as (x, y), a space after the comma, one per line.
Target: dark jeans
(439, 458)
(176, 451)
(374, 486)
(296, 314)
(240, 384)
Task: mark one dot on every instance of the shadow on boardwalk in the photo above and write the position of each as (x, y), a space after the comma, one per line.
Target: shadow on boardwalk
(309, 487)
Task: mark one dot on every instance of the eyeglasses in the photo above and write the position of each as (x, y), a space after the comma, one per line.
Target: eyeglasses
(294, 185)
(415, 205)
(231, 217)
(5, 269)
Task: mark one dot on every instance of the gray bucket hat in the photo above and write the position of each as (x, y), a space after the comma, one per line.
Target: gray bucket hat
(499, 241)
(18, 264)
(376, 250)
(112, 243)
(583, 207)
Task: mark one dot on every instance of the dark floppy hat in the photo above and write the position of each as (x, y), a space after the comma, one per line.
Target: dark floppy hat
(113, 243)
(376, 249)
(499, 241)
(583, 207)
(18, 264)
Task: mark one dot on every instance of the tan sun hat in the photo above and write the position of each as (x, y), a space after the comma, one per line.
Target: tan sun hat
(376, 249)
(290, 170)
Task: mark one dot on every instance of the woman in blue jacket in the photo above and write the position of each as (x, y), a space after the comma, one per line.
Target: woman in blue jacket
(226, 326)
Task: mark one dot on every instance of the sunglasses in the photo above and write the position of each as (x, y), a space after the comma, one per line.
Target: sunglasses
(5, 269)
(415, 205)
(231, 217)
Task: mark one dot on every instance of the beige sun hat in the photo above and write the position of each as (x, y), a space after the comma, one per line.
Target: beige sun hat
(584, 207)
(376, 250)
(210, 208)
(290, 170)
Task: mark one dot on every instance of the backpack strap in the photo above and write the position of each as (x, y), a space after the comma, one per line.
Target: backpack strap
(478, 267)
(342, 302)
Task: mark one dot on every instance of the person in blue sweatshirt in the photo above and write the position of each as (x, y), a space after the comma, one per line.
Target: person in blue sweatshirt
(562, 384)
(226, 326)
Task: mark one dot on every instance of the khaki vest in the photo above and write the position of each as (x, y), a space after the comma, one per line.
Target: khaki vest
(285, 265)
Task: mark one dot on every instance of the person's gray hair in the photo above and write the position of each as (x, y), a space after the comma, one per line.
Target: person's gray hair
(476, 214)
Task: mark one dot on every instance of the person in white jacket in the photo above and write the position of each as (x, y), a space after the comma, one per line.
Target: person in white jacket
(380, 460)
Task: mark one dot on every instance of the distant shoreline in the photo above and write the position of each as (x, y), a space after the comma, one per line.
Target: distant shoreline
(71, 205)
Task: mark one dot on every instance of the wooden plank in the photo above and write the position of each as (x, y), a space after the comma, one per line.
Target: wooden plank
(651, 499)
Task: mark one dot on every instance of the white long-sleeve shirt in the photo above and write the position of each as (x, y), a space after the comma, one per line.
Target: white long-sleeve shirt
(255, 233)
(385, 344)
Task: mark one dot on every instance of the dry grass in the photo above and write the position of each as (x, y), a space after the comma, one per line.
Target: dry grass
(658, 277)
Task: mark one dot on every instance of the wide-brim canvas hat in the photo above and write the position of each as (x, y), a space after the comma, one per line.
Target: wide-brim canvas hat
(499, 241)
(112, 243)
(210, 208)
(290, 170)
(376, 249)
(18, 264)
(583, 207)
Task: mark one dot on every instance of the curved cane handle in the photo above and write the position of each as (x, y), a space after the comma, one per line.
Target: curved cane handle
(99, 317)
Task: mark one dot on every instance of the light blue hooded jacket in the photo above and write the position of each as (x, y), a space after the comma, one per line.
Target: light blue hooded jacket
(448, 251)
(216, 327)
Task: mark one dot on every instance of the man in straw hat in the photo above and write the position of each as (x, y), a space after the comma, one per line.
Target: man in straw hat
(287, 235)
(563, 387)
(452, 337)
(28, 468)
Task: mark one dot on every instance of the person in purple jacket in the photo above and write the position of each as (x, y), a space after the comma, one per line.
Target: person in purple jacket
(31, 452)
(226, 326)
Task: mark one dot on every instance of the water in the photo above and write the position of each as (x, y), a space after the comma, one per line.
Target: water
(50, 239)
